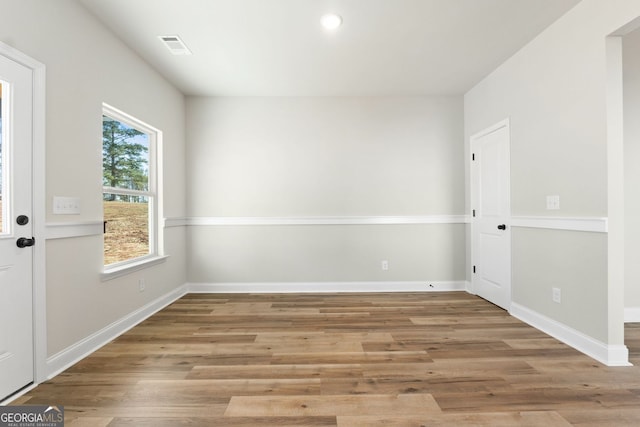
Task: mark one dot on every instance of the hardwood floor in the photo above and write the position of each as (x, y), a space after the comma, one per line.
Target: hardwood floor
(429, 359)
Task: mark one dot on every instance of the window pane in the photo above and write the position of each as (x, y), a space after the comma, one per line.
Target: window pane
(127, 188)
(127, 227)
(125, 156)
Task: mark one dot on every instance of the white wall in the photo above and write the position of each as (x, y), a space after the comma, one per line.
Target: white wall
(85, 66)
(325, 157)
(631, 73)
(554, 91)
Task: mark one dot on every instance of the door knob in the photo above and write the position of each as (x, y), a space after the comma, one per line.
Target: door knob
(24, 242)
(502, 227)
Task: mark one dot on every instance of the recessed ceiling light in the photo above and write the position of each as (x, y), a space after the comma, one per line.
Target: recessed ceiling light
(331, 21)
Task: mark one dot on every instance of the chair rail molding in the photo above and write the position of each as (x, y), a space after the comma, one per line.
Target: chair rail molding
(588, 224)
(317, 220)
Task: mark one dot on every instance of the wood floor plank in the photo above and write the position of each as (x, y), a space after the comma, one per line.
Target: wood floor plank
(84, 421)
(618, 417)
(545, 399)
(420, 385)
(277, 371)
(141, 412)
(479, 368)
(322, 338)
(332, 405)
(351, 357)
(499, 419)
(227, 387)
(386, 359)
(226, 422)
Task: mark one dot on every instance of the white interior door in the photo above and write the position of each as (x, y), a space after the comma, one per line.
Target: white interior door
(491, 227)
(16, 263)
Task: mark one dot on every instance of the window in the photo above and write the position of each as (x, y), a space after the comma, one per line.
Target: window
(129, 191)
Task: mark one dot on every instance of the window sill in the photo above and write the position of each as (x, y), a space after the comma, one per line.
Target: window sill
(122, 270)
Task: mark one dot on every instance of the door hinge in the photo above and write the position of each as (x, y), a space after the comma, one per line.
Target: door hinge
(473, 157)
(474, 213)
(474, 269)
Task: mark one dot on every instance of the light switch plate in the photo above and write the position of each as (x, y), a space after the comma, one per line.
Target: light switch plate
(66, 205)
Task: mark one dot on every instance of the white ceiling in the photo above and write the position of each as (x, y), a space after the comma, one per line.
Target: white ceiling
(278, 48)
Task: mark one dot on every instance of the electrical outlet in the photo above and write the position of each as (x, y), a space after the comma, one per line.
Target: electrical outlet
(553, 202)
(556, 295)
(385, 265)
(141, 285)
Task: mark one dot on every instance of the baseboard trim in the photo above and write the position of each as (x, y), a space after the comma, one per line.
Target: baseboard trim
(610, 355)
(632, 315)
(78, 351)
(324, 287)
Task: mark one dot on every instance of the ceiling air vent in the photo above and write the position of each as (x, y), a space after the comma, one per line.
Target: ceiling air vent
(175, 45)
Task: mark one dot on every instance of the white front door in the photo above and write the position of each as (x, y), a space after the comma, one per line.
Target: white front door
(16, 263)
(491, 227)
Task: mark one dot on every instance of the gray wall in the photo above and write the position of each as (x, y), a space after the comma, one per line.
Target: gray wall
(325, 157)
(86, 65)
(554, 92)
(631, 66)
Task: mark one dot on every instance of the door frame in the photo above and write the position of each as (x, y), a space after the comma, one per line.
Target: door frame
(472, 198)
(38, 201)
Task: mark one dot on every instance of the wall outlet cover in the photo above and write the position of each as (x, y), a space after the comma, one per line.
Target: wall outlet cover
(553, 202)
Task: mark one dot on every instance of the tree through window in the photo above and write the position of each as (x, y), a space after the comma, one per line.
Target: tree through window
(128, 180)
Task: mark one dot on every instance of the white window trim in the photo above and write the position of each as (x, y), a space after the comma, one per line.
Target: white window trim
(156, 251)
(116, 270)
